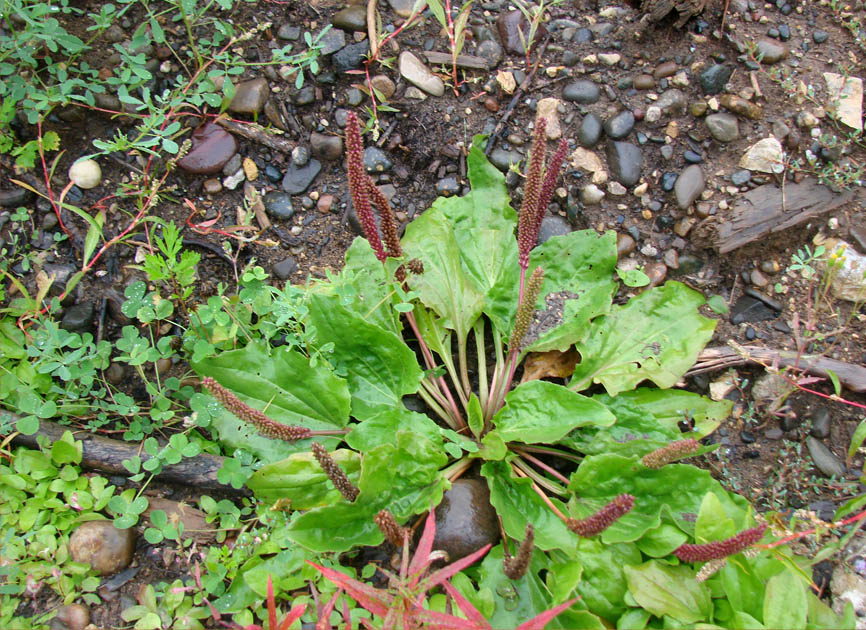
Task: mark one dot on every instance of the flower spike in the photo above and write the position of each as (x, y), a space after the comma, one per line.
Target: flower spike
(393, 532)
(720, 548)
(515, 567)
(526, 308)
(670, 453)
(604, 518)
(359, 185)
(332, 469)
(266, 426)
(531, 192)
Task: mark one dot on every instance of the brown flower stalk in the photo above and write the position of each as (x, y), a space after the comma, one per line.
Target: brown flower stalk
(515, 567)
(604, 518)
(389, 225)
(393, 532)
(720, 548)
(266, 426)
(670, 453)
(526, 308)
(359, 185)
(334, 472)
(551, 174)
(531, 191)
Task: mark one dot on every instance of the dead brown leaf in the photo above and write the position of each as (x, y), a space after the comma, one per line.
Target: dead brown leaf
(553, 363)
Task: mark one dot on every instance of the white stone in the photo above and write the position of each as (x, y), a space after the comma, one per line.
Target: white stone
(765, 156)
(414, 93)
(680, 79)
(616, 189)
(85, 174)
(848, 274)
(231, 182)
(591, 195)
(588, 161)
(506, 81)
(547, 108)
(845, 99)
(414, 71)
(653, 113)
(609, 59)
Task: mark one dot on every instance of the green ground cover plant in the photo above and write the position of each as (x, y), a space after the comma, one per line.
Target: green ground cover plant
(640, 537)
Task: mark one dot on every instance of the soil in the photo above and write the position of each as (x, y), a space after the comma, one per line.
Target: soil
(426, 140)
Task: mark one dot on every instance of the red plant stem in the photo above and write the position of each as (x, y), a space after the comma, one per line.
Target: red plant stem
(542, 465)
(540, 493)
(48, 178)
(428, 359)
(786, 539)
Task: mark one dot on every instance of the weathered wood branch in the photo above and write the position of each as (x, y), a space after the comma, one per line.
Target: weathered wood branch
(851, 376)
(256, 133)
(106, 455)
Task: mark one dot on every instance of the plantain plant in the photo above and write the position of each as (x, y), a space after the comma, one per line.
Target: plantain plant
(447, 316)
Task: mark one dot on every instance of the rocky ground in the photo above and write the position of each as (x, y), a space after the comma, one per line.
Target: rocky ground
(705, 148)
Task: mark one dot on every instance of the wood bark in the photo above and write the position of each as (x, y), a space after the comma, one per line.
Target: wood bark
(768, 209)
(106, 455)
(850, 375)
(256, 133)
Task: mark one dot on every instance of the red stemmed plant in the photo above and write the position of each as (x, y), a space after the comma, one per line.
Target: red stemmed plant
(401, 605)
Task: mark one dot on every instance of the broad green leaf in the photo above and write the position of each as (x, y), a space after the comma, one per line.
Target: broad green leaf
(363, 279)
(280, 382)
(383, 428)
(300, 479)
(656, 335)
(745, 621)
(647, 419)
(857, 438)
(403, 477)
(673, 493)
(822, 616)
(666, 590)
(285, 564)
(742, 588)
(518, 504)
(662, 540)
(578, 286)
(514, 600)
(380, 367)
(785, 603)
(544, 412)
(603, 586)
(445, 286)
(713, 524)
(562, 579)
(633, 619)
(475, 416)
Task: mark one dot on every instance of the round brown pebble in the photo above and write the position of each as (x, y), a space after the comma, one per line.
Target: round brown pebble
(212, 186)
(624, 244)
(324, 204)
(104, 547)
(71, 617)
(644, 82)
(491, 104)
(656, 272)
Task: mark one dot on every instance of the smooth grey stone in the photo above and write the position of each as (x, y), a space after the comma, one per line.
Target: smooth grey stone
(692, 157)
(354, 97)
(304, 96)
(714, 78)
(300, 155)
(350, 57)
(690, 184)
(625, 162)
(285, 268)
(491, 51)
(297, 180)
(15, 197)
(583, 92)
(824, 459)
(819, 36)
(619, 125)
(376, 161)
(289, 32)
(332, 41)
(232, 166)
(820, 424)
(552, 225)
(749, 309)
(352, 18)
(465, 520)
(325, 146)
(590, 130)
(250, 96)
(741, 177)
(279, 205)
(447, 186)
(723, 127)
(672, 102)
(503, 159)
(78, 318)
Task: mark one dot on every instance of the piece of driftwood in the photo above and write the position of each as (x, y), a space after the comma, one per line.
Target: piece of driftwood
(469, 62)
(657, 10)
(851, 376)
(256, 133)
(106, 455)
(770, 208)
